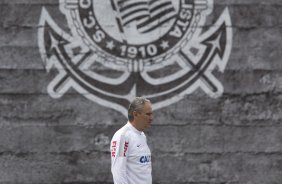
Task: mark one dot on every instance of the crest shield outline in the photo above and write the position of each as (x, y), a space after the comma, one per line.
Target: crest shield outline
(57, 49)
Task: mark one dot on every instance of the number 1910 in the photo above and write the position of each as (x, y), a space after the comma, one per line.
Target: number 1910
(144, 51)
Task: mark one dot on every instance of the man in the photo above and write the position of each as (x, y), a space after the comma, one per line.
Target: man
(130, 154)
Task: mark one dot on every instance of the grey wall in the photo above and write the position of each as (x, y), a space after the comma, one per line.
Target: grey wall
(234, 139)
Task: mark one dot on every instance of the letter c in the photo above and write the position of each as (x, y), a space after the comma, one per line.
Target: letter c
(142, 159)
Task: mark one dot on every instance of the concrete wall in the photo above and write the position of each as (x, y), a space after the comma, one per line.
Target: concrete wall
(233, 139)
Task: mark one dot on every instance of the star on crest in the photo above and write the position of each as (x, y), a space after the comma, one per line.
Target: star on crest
(110, 45)
(164, 45)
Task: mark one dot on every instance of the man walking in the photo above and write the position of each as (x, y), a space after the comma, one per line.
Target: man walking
(130, 154)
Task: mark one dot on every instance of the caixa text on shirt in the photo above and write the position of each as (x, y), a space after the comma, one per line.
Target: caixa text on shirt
(145, 159)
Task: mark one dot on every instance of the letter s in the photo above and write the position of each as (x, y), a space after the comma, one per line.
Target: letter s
(99, 36)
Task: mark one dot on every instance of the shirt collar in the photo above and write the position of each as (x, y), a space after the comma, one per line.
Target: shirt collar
(133, 128)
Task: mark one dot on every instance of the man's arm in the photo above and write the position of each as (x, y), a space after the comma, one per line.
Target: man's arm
(119, 153)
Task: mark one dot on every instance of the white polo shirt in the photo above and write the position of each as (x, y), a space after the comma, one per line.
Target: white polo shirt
(130, 157)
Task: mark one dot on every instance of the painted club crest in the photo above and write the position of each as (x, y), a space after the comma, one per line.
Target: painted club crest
(119, 49)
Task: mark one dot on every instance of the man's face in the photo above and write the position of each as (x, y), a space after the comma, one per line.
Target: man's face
(144, 118)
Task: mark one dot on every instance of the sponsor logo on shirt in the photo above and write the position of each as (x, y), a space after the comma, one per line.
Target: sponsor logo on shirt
(125, 148)
(145, 159)
(114, 148)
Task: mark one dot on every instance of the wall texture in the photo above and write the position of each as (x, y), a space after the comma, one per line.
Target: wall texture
(233, 139)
